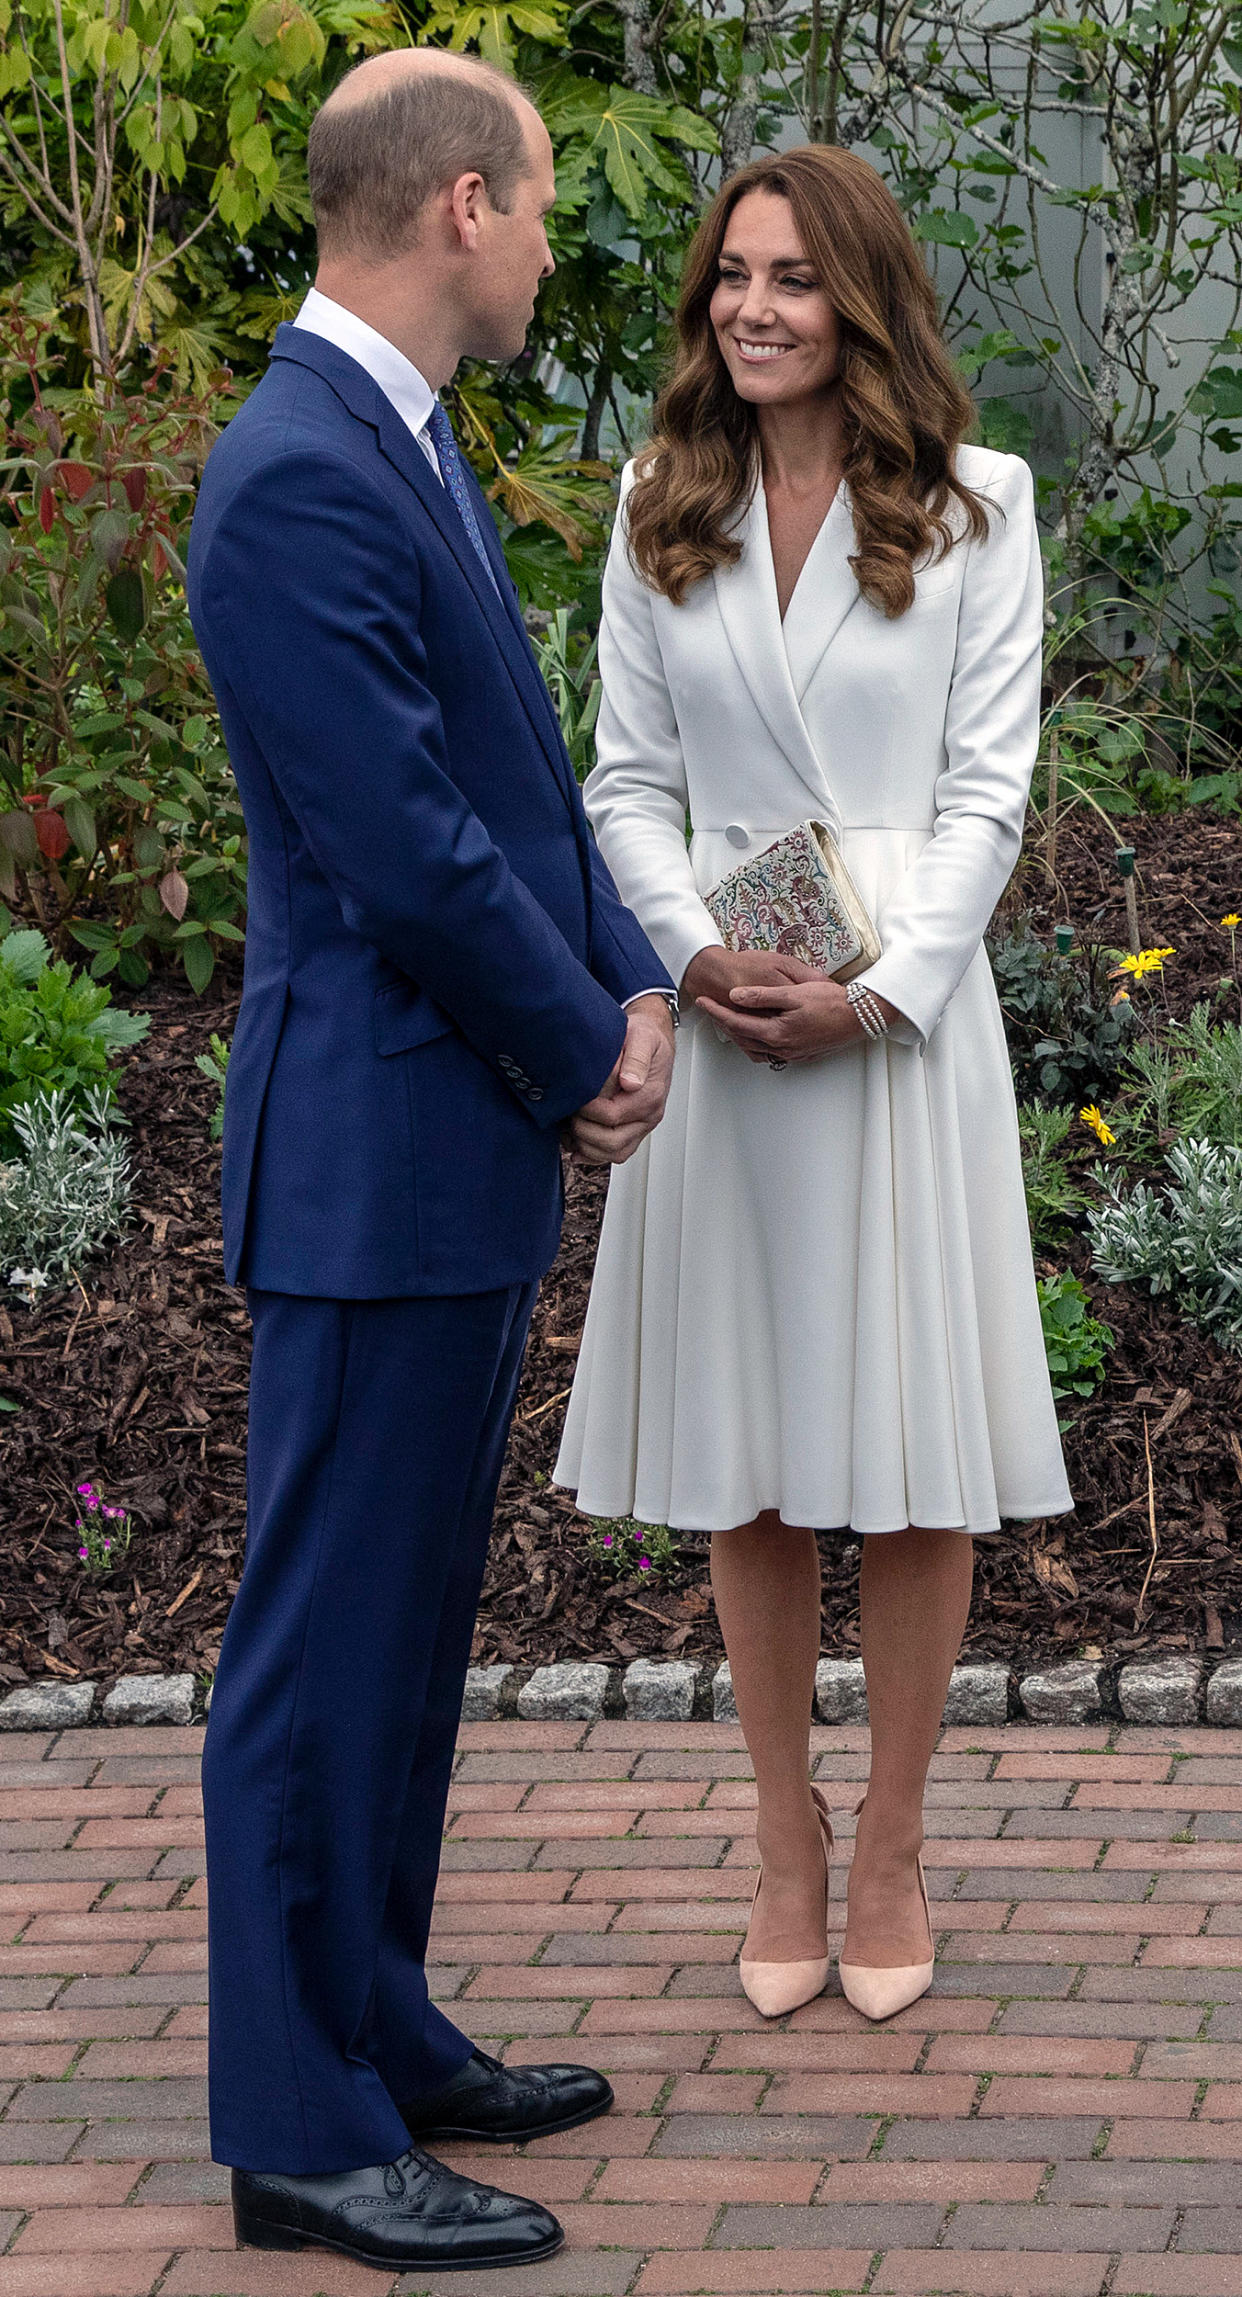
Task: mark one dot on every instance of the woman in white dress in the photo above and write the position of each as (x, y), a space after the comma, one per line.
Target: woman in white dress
(814, 1305)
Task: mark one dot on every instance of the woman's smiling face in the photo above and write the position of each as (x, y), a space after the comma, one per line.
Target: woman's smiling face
(779, 335)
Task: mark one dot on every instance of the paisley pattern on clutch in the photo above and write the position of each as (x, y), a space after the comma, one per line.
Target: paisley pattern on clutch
(797, 898)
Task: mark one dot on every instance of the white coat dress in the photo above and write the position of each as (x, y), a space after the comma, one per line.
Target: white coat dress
(814, 1288)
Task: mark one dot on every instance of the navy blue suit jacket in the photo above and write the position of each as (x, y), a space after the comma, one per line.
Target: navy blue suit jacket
(436, 956)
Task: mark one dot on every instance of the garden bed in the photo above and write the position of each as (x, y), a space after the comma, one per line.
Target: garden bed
(138, 1380)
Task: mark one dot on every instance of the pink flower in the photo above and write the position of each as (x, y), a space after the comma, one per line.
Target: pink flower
(85, 1557)
(644, 1563)
(608, 1539)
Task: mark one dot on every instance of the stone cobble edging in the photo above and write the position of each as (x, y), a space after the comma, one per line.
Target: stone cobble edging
(1164, 1689)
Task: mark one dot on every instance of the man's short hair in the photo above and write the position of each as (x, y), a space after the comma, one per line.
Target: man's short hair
(375, 161)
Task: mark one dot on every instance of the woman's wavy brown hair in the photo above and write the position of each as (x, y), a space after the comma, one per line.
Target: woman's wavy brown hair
(905, 410)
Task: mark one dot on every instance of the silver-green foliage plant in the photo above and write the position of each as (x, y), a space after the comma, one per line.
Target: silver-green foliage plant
(1190, 1082)
(1185, 1241)
(66, 1195)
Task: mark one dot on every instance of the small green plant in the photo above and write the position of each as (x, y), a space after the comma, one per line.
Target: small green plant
(1075, 1341)
(624, 1547)
(214, 1065)
(104, 1532)
(1054, 1200)
(1186, 1242)
(58, 1031)
(1067, 1036)
(66, 1195)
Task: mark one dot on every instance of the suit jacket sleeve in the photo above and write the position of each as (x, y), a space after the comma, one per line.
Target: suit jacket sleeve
(934, 923)
(636, 797)
(309, 596)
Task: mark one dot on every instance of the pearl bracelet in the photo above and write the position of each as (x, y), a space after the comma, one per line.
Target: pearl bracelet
(866, 1005)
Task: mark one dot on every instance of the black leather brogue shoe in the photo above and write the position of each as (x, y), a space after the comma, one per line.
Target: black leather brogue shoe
(502, 2105)
(412, 2212)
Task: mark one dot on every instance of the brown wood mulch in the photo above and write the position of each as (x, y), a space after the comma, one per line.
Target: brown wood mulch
(137, 1379)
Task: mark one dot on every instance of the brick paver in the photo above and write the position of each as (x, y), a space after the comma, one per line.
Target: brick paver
(1061, 2117)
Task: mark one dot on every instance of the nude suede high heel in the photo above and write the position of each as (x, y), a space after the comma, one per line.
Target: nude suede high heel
(777, 1987)
(882, 1993)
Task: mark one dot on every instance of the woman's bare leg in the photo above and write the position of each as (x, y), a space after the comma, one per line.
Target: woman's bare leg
(915, 1599)
(765, 1577)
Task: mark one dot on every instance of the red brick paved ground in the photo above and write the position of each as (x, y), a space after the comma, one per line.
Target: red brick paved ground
(1062, 2117)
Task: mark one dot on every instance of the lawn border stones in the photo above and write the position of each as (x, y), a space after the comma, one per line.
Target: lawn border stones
(1164, 1689)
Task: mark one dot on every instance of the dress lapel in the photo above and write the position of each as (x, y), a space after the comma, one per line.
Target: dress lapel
(826, 590)
(746, 595)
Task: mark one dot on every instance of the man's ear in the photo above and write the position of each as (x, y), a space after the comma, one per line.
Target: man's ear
(468, 202)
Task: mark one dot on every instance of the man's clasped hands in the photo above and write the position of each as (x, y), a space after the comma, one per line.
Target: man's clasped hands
(774, 1008)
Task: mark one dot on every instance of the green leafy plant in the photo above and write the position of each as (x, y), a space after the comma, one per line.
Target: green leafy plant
(623, 1547)
(1075, 1341)
(572, 678)
(123, 828)
(1054, 1199)
(65, 1195)
(1184, 1241)
(58, 1031)
(214, 1065)
(1067, 1038)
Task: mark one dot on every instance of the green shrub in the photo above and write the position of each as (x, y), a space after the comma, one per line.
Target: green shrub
(120, 822)
(58, 1031)
(1186, 1242)
(1075, 1341)
(1067, 1039)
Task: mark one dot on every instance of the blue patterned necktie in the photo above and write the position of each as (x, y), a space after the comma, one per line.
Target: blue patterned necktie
(440, 433)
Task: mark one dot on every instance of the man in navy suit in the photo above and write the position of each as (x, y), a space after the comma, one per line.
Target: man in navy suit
(441, 985)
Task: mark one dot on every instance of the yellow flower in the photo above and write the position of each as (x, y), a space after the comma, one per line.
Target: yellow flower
(1232, 920)
(1147, 961)
(1091, 1116)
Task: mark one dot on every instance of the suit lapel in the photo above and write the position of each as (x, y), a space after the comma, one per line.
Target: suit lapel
(361, 395)
(746, 595)
(499, 606)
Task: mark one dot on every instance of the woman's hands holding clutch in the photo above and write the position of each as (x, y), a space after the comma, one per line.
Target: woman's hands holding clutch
(774, 1008)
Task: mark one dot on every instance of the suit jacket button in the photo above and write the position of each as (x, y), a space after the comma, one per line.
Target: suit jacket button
(535, 1093)
(737, 835)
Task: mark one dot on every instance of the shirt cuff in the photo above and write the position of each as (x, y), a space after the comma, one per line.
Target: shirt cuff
(669, 995)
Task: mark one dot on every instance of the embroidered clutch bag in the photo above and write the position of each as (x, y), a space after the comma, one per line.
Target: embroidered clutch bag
(798, 897)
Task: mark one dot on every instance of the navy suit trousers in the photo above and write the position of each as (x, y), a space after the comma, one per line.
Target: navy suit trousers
(377, 1435)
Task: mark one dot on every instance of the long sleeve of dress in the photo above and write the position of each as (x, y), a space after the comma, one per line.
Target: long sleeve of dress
(936, 917)
(636, 796)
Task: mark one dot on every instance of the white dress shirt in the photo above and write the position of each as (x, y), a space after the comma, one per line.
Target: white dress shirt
(398, 378)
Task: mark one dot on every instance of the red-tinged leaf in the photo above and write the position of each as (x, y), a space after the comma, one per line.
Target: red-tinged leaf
(52, 834)
(47, 510)
(159, 561)
(174, 893)
(76, 479)
(135, 485)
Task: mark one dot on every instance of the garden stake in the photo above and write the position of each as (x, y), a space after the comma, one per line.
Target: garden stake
(1125, 871)
(1151, 1524)
(1054, 778)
